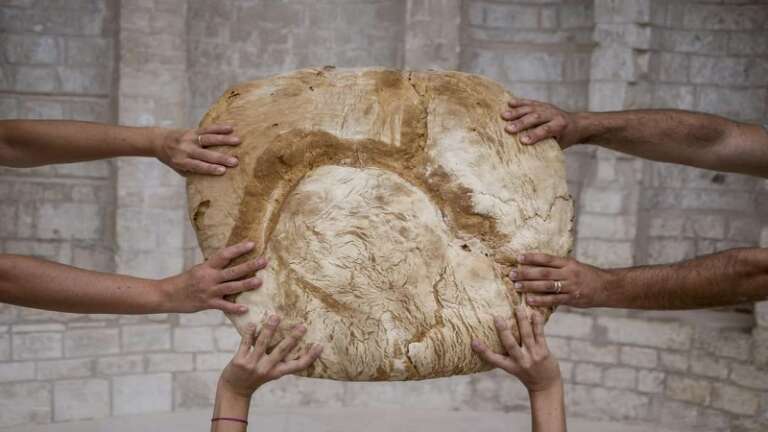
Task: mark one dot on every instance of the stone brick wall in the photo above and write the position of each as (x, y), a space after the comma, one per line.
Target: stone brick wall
(163, 62)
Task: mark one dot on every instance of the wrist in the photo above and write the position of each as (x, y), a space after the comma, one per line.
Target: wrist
(583, 126)
(551, 388)
(159, 139)
(166, 295)
(230, 394)
(230, 403)
(607, 294)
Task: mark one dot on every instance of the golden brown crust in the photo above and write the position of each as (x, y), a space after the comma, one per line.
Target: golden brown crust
(391, 206)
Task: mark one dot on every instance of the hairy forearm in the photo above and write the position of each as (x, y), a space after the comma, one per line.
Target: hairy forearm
(41, 284)
(232, 406)
(689, 138)
(28, 143)
(548, 410)
(730, 277)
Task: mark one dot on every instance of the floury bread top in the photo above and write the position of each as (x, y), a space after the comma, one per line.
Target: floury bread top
(391, 206)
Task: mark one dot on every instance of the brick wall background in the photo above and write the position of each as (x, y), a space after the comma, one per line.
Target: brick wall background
(142, 62)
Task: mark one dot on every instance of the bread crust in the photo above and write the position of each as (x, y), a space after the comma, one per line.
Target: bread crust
(391, 205)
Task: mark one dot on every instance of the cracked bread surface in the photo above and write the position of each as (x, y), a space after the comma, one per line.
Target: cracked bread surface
(391, 206)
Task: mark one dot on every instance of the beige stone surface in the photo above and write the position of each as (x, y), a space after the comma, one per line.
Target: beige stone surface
(390, 205)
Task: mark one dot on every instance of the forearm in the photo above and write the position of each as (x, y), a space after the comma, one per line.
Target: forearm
(548, 409)
(230, 406)
(689, 138)
(41, 284)
(730, 277)
(27, 143)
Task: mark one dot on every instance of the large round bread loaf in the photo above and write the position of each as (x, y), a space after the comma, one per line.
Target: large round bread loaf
(391, 206)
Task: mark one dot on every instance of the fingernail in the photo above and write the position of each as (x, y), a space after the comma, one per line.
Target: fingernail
(475, 344)
(300, 328)
(235, 140)
(274, 319)
(499, 321)
(243, 309)
(250, 245)
(518, 285)
(255, 282)
(531, 301)
(524, 138)
(220, 170)
(231, 161)
(520, 258)
(513, 274)
(261, 261)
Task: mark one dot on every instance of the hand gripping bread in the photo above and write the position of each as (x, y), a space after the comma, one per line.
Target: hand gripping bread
(391, 206)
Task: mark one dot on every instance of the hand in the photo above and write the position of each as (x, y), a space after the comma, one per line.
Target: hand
(252, 367)
(538, 120)
(551, 280)
(205, 285)
(185, 150)
(532, 362)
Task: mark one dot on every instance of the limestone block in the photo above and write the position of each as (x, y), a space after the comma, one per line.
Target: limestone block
(137, 394)
(80, 399)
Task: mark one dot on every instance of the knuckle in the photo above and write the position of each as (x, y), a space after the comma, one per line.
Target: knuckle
(240, 363)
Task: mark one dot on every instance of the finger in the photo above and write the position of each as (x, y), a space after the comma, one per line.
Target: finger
(526, 122)
(228, 306)
(232, 288)
(199, 167)
(284, 347)
(516, 102)
(299, 364)
(243, 270)
(507, 339)
(221, 258)
(539, 287)
(538, 329)
(535, 135)
(491, 357)
(209, 139)
(524, 326)
(548, 300)
(525, 272)
(542, 259)
(265, 336)
(515, 113)
(215, 129)
(246, 342)
(213, 157)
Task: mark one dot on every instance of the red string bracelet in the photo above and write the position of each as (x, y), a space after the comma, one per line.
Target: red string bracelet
(230, 419)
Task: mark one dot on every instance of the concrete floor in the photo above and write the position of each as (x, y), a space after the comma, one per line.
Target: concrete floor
(337, 420)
